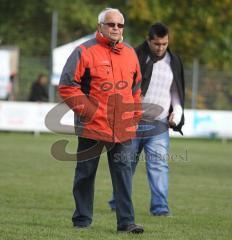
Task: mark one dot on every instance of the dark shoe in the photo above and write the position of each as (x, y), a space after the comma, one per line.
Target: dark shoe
(162, 214)
(131, 228)
(81, 226)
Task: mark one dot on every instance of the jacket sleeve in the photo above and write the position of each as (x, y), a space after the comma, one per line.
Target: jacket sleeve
(182, 97)
(70, 84)
(136, 91)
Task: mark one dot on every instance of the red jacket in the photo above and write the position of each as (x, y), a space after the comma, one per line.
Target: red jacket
(101, 83)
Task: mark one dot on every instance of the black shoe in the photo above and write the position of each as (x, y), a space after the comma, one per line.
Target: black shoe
(81, 226)
(131, 228)
(162, 214)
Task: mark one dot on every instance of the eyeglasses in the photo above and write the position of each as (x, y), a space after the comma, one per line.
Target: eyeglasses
(112, 25)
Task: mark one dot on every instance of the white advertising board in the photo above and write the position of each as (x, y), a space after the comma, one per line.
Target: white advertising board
(207, 123)
(25, 116)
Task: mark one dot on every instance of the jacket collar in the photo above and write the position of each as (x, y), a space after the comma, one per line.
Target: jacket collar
(114, 47)
(153, 57)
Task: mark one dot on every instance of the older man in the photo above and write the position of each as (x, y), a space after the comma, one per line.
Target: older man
(101, 84)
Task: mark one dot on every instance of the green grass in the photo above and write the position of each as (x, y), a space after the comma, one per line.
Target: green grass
(36, 193)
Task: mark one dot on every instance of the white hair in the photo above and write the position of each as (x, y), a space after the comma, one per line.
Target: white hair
(103, 13)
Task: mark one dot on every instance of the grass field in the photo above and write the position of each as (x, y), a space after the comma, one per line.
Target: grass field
(36, 193)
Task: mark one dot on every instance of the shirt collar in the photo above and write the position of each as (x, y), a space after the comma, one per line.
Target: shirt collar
(115, 47)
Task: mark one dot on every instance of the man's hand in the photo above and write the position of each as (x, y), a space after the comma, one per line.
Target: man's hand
(171, 120)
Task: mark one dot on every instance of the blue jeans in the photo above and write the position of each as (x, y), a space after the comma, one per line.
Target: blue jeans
(156, 149)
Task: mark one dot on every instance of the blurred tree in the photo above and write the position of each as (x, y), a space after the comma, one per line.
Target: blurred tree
(76, 18)
(199, 29)
(25, 23)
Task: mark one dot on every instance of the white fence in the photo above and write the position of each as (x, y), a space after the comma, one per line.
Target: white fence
(25, 116)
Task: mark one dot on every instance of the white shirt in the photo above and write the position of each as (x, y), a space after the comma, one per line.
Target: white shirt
(162, 92)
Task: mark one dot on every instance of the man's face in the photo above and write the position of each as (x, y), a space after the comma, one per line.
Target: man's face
(112, 27)
(158, 45)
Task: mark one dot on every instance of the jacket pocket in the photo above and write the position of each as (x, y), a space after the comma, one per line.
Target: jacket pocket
(102, 71)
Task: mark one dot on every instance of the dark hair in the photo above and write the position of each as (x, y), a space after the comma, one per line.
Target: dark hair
(158, 29)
